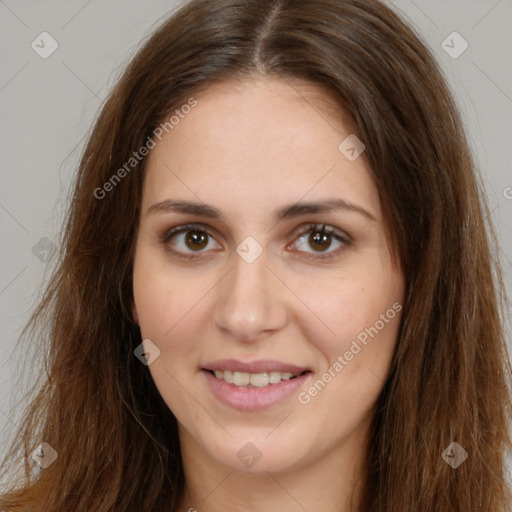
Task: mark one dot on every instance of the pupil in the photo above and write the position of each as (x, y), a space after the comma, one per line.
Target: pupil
(196, 238)
(321, 239)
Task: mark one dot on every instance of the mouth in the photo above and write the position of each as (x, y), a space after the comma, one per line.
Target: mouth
(254, 386)
(254, 380)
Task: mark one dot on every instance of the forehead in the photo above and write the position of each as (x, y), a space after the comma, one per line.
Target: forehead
(272, 90)
(269, 137)
(262, 108)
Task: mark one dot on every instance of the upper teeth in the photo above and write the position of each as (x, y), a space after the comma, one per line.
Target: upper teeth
(257, 380)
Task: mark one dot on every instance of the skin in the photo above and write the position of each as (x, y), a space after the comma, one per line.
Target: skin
(247, 149)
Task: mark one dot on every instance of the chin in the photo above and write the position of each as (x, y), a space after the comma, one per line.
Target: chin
(252, 454)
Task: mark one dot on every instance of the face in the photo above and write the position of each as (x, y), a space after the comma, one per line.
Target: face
(261, 254)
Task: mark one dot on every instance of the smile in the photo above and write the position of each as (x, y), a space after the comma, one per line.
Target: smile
(247, 391)
(256, 380)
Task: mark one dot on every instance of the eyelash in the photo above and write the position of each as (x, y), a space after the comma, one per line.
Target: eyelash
(304, 230)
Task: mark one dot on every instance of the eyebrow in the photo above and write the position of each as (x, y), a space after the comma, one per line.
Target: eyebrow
(283, 213)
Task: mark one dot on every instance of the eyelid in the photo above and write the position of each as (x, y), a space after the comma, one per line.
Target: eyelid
(321, 226)
(336, 233)
(302, 230)
(184, 228)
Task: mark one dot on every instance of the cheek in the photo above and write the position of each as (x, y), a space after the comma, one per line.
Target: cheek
(163, 296)
(361, 306)
(356, 357)
(357, 336)
(171, 314)
(167, 304)
(360, 319)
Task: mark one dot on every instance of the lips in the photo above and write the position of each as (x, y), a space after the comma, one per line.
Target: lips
(234, 365)
(255, 385)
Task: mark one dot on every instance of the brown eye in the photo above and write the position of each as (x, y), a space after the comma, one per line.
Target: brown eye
(185, 240)
(318, 238)
(196, 240)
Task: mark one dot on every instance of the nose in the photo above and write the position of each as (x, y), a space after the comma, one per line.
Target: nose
(250, 301)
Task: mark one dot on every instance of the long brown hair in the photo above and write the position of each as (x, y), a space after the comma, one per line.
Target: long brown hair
(116, 439)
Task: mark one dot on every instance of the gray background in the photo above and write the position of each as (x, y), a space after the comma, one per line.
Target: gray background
(47, 107)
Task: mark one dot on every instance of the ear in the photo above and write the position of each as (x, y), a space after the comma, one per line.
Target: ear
(134, 312)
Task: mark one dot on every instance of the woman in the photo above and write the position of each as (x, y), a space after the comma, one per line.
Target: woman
(276, 289)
